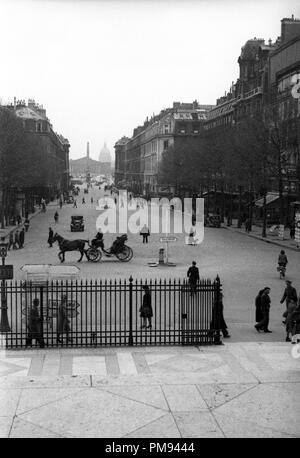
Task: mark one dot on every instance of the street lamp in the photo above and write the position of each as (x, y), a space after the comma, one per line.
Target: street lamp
(4, 324)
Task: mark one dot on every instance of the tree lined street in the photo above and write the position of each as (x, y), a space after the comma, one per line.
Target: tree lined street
(244, 264)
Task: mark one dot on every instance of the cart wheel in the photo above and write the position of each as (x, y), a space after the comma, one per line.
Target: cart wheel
(125, 254)
(93, 254)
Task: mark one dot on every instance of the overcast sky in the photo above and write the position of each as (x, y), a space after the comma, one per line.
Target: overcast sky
(100, 67)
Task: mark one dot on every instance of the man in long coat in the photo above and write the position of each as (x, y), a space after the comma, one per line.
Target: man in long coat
(265, 307)
(193, 276)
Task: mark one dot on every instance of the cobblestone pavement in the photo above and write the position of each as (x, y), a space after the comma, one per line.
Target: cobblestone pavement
(237, 390)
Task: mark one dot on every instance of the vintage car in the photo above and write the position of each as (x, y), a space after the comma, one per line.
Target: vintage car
(213, 221)
(69, 199)
(77, 223)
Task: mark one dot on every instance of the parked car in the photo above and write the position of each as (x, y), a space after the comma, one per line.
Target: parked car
(212, 221)
(77, 223)
(69, 199)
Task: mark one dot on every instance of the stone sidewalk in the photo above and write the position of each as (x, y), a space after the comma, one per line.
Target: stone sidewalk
(235, 390)
(272, 237)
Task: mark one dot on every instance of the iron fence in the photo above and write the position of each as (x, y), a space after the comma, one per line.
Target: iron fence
(107, 313)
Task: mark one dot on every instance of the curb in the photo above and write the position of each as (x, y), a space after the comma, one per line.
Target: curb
(257, 237)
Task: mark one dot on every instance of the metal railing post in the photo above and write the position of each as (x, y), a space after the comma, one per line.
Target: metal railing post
(42, 343)
(130, 341)
(217, 317)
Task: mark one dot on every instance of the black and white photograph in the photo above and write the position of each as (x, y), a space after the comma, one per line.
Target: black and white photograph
(150, 222)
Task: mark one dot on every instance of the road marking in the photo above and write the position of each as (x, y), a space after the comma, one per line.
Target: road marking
(126, 363)
(36, 366)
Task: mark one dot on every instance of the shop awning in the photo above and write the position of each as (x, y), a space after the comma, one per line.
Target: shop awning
(271, 197)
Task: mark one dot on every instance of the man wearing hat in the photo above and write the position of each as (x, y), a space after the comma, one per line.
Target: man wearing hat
(193, 276)
(290, 293)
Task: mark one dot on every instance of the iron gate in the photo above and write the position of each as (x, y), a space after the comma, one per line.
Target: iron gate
(106, 313)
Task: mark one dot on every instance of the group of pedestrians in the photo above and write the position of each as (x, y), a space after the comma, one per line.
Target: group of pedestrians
(291, 314)
(16, 239)
(34, 323)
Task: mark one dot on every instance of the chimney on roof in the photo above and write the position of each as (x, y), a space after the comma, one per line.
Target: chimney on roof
(290, 28)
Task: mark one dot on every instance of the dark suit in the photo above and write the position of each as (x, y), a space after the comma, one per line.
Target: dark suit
(290, 294)
(265, 308)
(193, 276)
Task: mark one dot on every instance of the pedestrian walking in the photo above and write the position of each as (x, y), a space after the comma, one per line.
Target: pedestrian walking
(290, 293)
(75, 203)
(50, 237)
(258, 308)
(282, 262)
(26, 224)
(22, 238)
(60, 203)
(193, 277)
(19, 220)
(145, 232)
(292, 231)
(83, 200)
(218, 321)
(10, 241)
(263, 324)
(56, 217)
(92, 200)
(192, 237)
(288, 314)
(247, 225)
(34, 325)
(16, 241)
(63, 322)
(146, 311)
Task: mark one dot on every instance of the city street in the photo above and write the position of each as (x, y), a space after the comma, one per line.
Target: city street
(244, 265)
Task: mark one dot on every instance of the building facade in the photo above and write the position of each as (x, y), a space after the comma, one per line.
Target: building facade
(138, 158)
(47, 171)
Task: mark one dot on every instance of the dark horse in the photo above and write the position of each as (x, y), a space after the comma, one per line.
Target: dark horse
(69, 245)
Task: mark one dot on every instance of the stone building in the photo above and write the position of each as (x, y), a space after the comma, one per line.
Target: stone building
(86, 164)
(137, 158)
(105, 161)
(264, 88)
(50, 176)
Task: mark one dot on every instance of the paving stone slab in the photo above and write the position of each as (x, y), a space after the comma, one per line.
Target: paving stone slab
(93, 413)
(197, 424)
(149, 395)
(24, 429)
(164, 427)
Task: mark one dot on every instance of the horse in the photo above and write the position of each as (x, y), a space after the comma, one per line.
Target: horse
(69, 245)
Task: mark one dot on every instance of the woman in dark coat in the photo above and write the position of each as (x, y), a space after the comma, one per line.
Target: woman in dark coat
(218, 321)
(63, 323)
(258, 311)
(288, 315)
(146, 311)
(34, 324)
(50, 237)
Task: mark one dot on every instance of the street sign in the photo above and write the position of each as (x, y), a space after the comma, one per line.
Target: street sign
(168, 239)
(7, 272)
